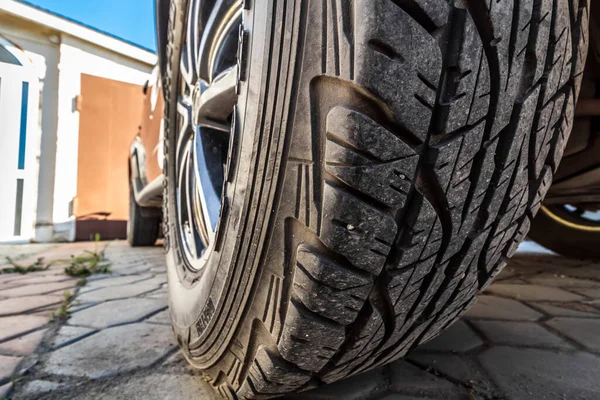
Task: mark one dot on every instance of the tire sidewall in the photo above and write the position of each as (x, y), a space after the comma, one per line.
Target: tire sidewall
(198, 298)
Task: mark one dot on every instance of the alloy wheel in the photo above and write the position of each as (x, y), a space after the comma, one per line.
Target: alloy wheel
(206, 113)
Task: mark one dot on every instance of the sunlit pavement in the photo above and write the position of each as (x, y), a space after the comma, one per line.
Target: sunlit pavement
(535, 333)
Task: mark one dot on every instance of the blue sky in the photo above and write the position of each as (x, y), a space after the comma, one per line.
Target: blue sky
(132, 20)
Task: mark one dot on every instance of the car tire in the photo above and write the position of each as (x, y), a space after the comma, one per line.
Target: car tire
(387, 158)
(143, 226)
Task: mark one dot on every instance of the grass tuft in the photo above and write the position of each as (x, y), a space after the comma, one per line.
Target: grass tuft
(15, 268)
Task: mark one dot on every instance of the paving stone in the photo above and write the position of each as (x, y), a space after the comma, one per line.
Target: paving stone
(113, 351)
(161, 294)
(130, 269)
(492, 307)
(459, 368)
(18, 305)
(116, 312)
(567, 309)
(8, 365)
(507, 272)
(99, 277)
(588, 272)
(421, 382)
(457, 338)
(151, 387)
(68, 334)
(44, 278)
(555, 280)
(117, 280)
(176, 358)
(23, 345)
(159, 279)
(162, 317)
(520, 334)
(364, 386)
(117, 292)
(584, 331)
(4, 389)
(19, 251)
(593, 293)
(19, 324)
(39, 288)
(543, 374)
(534, 292)
(39, 386)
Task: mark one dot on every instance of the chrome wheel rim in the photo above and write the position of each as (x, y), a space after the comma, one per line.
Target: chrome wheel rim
(205, 115)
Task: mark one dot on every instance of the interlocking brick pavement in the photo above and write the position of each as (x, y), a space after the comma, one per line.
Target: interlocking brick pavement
(534, 334)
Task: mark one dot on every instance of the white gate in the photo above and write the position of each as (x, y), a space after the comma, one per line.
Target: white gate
(18, 125)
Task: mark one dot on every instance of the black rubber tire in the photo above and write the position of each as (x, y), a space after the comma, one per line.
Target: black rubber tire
(389, 156)
(143, 226)
(559, 233)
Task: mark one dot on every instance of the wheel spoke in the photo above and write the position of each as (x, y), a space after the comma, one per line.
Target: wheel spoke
(224, 15)
(210, 196)
(191, 49)
(184, 109)
(217, 101)
(189, 195)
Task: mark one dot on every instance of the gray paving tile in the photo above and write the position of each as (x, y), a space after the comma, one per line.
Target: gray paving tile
(543, 374)
(151, 387)
(584, 331)
(405, 378)
(492, 307)
(116, 312)
(520, 334)
(460, 368)
(68, 334)
(593, 293)
(566, 309)
(112, 351)
(117, 292)
(533, 292)
(116, 280)
(162, 317)
(457, 338)
(556, 280)
(38, 387)
(131, 269)
(364, 386)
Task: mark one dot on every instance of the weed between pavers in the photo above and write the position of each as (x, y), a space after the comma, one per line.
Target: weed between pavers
(90, 262)
(82, 266)
(15, 268)
(62, 312)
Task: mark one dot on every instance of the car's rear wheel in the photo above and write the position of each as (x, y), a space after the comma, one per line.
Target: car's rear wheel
(143, 226)
(342, 177)
(572, 231)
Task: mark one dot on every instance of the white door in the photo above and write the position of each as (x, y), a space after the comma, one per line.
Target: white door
(18, 124)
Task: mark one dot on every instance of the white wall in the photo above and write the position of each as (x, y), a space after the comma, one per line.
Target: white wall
(44, 55)
(59, 60)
